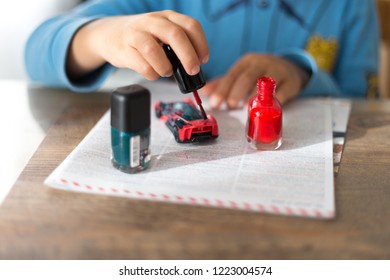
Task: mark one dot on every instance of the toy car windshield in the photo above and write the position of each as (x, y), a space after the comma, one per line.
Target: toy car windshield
(185, 121)
(188, 111)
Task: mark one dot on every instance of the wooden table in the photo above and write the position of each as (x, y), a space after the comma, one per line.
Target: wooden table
(37, 222)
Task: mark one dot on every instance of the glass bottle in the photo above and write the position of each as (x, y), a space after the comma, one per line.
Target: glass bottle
(130, 128)
(264, 124)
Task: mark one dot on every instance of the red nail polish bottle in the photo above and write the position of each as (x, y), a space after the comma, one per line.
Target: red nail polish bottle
(264, 125)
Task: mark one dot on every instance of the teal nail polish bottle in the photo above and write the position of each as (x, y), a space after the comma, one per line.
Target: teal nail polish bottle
(130, 128)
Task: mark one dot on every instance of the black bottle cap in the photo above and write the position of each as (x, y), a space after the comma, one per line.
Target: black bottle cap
(187, 83)
(130, 108)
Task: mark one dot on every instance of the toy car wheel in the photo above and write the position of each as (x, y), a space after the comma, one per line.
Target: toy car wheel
(158, 112)
(176, 134)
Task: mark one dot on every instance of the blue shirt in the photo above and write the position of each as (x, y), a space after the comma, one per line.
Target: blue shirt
(337, 41)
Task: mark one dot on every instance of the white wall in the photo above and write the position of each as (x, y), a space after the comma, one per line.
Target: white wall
(17, 20)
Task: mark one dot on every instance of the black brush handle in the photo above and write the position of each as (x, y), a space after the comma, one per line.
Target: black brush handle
(187, 83)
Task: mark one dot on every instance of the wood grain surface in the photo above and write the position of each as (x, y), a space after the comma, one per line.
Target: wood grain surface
(37, 222)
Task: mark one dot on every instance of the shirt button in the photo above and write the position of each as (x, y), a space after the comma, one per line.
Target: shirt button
(263, 4)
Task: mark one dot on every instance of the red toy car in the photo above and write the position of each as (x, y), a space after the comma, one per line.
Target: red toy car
(186, 121)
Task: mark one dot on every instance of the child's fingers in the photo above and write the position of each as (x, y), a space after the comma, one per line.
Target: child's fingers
(152, 53)
(209, 88)
(195, 33)
(172, 34)
(288, 84)
(242, 87)
(222, 92)
(132, 59)
(286, 91)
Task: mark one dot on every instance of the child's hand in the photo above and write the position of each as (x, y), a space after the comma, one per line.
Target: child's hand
(240, 82)
(135, 42)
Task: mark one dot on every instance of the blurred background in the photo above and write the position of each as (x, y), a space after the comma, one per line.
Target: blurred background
(25, 122)
(384, 75)
(16, 23)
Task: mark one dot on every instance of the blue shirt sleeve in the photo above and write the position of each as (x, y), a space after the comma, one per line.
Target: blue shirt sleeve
(320, 82)
(46, 51)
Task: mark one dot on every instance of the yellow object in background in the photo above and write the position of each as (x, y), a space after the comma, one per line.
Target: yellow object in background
(324, 51)
(373, 86)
